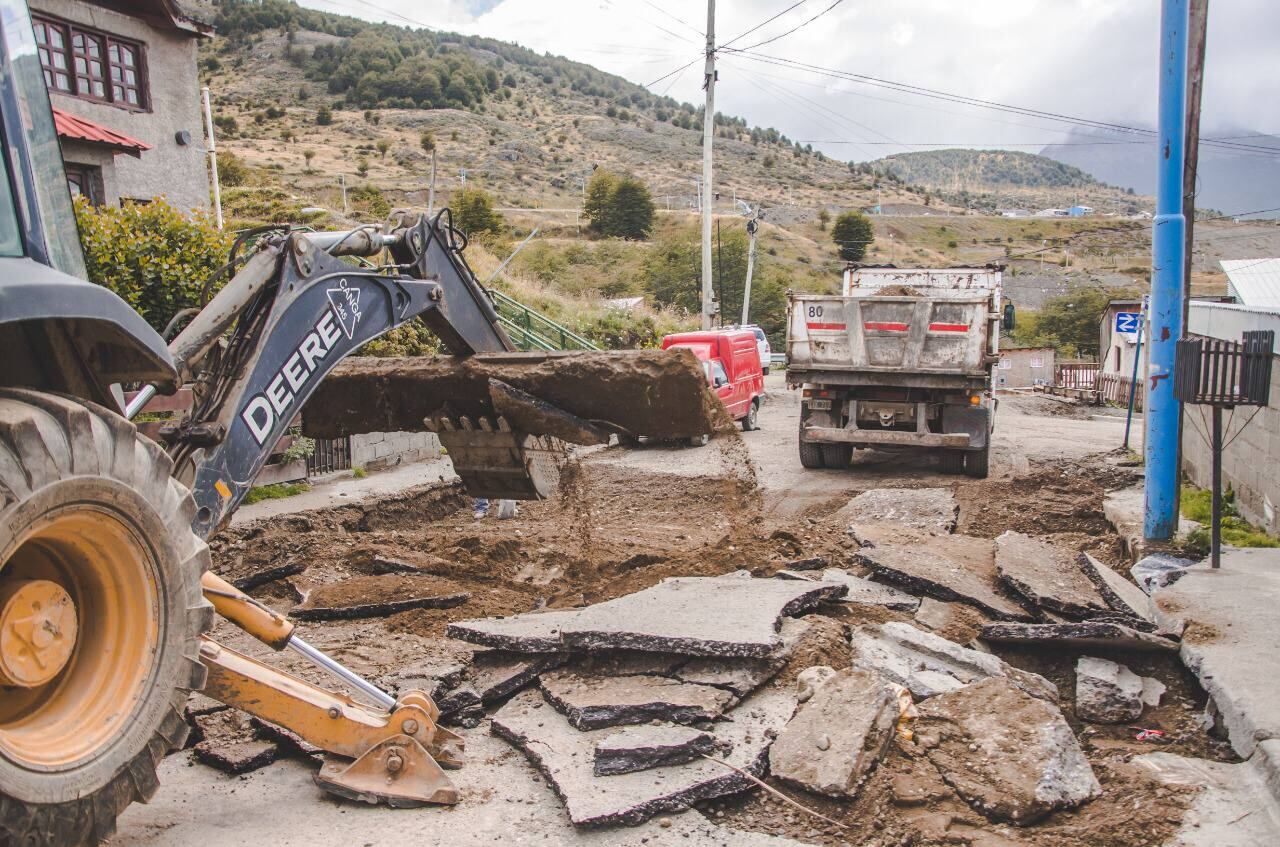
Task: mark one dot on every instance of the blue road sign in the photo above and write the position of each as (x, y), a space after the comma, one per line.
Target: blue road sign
(1127, 322)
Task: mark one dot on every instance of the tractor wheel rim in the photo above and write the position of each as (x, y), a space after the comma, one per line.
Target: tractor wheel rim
(108, 572)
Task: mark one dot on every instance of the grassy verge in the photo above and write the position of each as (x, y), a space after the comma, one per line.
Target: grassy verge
(1197, 504)
(276, 491)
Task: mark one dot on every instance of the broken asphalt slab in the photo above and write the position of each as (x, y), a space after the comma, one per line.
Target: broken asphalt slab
(1121, 594)
(953, 568)
(567, 758)
(928, 665)
(867, 593)
(1009, 755)
(929, 509)
(1047, 577)
(595, 702)
(1232, 806)
(728, 616)
(1086, 635)
(230, 742)
(639, 748)
(378, 597)
(837, 735)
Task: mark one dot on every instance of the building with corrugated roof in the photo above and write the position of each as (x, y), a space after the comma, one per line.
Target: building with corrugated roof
(1253, 282)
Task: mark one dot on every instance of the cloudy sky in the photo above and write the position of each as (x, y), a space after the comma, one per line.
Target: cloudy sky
(1088, 58)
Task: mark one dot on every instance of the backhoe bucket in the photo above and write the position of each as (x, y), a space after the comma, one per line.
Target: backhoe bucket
(496, 462)
(505, 418)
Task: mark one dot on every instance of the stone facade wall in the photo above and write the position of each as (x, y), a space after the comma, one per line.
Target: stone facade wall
(1251, 462)
(376, 450)
(178, 172)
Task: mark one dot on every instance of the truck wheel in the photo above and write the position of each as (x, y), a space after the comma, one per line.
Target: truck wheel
(752, 420)
(951, 461)
(765, 370)
(101, 614)
(811, 455)
(976, 463)
(837, 455)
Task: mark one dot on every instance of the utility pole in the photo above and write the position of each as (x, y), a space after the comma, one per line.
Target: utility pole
(752, 225)
(1197, 32)
(342, 180)
(1162, 416)
(708, 134)
(213, 156)
(431, 190)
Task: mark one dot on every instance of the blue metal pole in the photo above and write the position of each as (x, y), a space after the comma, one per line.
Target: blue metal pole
(1168, 252)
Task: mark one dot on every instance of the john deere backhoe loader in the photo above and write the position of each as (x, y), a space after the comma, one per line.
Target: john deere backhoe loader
(105, 593)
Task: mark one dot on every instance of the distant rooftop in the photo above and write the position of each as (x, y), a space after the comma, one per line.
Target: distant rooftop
(1253, 282)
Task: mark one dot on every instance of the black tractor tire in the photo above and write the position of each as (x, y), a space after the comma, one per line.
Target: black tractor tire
(951, 461)
(837, 455)
(977, 463)
(752, 420)
(90, 505)
(811, 455)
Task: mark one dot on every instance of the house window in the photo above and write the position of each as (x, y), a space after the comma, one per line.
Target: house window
(51, 43)
(92, 65)
(84, 181)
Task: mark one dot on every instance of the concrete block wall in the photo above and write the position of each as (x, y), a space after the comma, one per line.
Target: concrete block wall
(377, 450)
(1250, 463)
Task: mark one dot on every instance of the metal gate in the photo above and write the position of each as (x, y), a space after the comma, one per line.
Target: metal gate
(329, 455)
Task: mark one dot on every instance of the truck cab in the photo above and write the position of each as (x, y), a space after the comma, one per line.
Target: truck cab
(731, 361)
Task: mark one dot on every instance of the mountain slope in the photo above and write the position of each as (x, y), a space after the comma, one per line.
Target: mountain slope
(991, 178)
(1229, 181)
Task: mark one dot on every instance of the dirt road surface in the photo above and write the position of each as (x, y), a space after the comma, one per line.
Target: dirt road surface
(625, 520)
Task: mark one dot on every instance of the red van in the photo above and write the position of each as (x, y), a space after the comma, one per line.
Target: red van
(731, 361)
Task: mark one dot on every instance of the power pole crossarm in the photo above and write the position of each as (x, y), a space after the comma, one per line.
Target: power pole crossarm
(708, 134)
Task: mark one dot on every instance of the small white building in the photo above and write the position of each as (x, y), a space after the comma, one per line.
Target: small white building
(1118, 338)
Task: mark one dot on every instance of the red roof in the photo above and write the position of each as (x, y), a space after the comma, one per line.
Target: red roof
(79, 129)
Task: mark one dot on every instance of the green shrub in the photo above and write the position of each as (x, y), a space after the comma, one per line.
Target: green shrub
(275, 491)
(618, 206)
(251, 206)
(853, 234)
(473, 212)
(369, 202)
(150, 254)
(232, 170)
(1197, 505)
(324, 116)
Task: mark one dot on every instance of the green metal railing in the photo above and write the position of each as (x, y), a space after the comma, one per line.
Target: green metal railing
(529, 329)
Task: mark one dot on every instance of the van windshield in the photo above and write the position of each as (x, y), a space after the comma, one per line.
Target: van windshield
(10, 237)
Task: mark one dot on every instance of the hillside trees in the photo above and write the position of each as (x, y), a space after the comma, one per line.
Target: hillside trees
(1069, 322)
(618, 206)
(853, 234)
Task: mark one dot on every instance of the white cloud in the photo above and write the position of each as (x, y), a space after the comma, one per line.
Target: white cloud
(1091, 58)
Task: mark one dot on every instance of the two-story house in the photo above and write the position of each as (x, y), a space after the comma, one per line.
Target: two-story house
(126, 98)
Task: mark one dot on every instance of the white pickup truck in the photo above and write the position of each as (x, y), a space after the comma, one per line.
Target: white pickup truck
(901, 360)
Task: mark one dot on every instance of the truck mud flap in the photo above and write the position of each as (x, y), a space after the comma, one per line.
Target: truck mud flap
(495, 461)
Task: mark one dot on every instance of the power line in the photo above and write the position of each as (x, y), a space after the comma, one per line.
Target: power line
(762, 23)
(793, 29)
(699, 32)
(921, 91)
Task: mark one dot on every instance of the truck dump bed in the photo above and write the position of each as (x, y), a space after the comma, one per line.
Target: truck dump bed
(925, 327)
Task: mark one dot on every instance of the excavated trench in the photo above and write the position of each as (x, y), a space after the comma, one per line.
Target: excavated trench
(615, 530)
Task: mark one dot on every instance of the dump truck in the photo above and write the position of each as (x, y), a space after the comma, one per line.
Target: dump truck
(106, 596)
(900, 360)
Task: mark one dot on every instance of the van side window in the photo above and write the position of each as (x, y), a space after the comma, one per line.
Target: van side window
(718, 375)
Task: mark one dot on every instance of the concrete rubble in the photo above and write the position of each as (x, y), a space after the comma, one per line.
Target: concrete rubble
(1108, 692)
(929, 665)
(1009, 755)
(230, 742)
(1046, 577)
(567, 757)
(1232, 807)
(837, 735)
(639, 748)
(931, 509)
(726, 616)
(1085, 635)
(951, 568)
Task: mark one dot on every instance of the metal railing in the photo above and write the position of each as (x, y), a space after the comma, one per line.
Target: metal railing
(531, 330)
